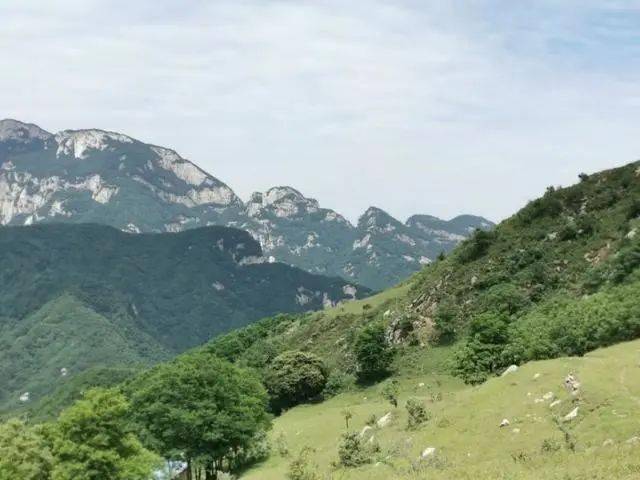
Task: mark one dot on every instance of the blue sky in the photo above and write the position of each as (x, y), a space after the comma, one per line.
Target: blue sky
(412, 106)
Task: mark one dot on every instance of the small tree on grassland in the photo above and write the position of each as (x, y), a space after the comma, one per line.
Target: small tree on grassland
(373, 353)
(295, 377)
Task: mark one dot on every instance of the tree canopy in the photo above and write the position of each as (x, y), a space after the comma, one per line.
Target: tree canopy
(199, 407)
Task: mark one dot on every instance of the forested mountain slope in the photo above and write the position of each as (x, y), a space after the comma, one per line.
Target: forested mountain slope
(77, 296)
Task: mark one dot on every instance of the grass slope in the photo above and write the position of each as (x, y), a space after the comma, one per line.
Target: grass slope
(465, 424)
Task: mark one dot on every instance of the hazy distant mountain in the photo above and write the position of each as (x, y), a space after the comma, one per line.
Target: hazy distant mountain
(110, 178)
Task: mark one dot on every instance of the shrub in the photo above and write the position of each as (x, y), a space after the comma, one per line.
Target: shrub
(548, 205)
(390, 392)
(633, 210)
(295, 377)
(476, 246)
(549, 445)
(300, 468)
(338, 382)
(417, 412)
(445, 320)
(482, 353)
(505, 298)
(373, 353)
(352, 452)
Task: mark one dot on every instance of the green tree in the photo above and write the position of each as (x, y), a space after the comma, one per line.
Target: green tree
(295, 377)
(200, 407)
(373, 352)
(91, 441)
(483, 351)
(24, 452)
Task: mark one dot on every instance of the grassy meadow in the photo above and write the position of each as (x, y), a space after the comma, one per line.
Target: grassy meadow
(465, 424)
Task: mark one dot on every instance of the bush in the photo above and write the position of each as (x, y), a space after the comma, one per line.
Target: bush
(548, 205)
(338, 382)
(417, 412)
(352, 452)
(482, 353)
(445, 320)
(373, 353)
(295, 377)
(300, 469)
(633, 210)
(476, 246)
(390, 392)
(505, 298)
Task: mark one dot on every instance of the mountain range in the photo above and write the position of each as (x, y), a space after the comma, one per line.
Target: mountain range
(95, 176)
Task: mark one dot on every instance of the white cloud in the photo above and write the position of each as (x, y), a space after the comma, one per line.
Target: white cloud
(430, 107)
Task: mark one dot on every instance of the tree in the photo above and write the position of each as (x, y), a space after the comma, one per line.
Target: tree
(373, 352)
(295, 377)
(24, 452)
(91, 441)
(199, 407)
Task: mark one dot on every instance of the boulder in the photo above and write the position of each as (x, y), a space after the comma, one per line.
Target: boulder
(367, 432)
(428, 452)
(548, 396)
(537, 376)
(571, 415)
(510, 370)
(572, 384)
(633, 441)
(555, 403)
(385, 420)
(504, 423)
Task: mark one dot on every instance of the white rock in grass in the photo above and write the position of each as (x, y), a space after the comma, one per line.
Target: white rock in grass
(384, 421)
(537, 376)
(504, 423)
(25, 397)
(555, 403)
(633, 441)
(573, 414)
(428, 452)
(548, 396)
(608, 442)
(511, 369)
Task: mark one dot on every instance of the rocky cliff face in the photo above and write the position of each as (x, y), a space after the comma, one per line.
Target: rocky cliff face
(104, 177)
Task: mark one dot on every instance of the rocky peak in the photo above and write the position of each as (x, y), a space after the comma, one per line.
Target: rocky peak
(376, 219)
(282, 202)
(21, 132)
(79, 143)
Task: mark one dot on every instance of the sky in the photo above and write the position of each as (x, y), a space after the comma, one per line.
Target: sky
(432, 107)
